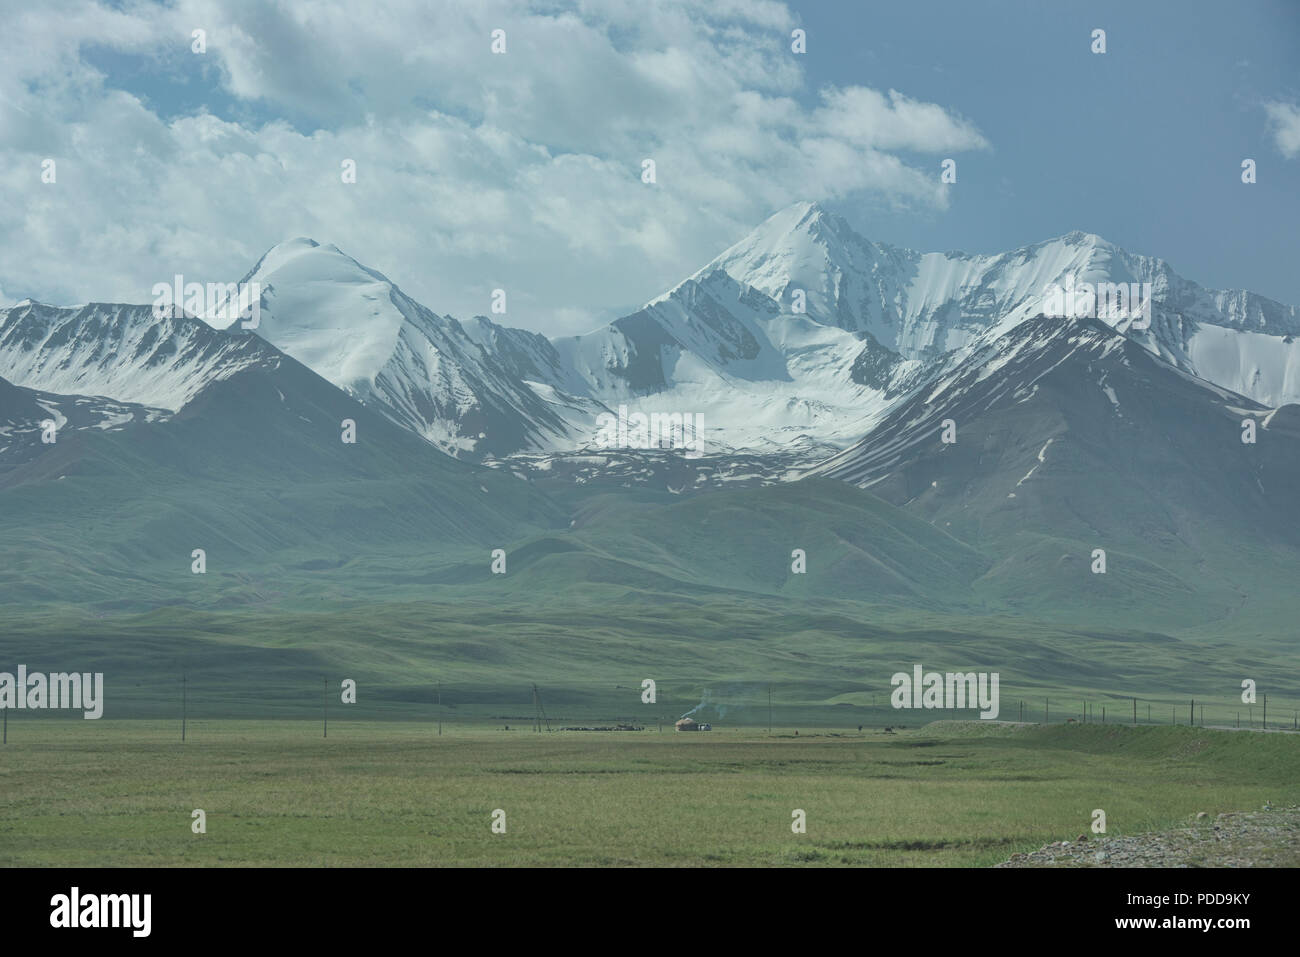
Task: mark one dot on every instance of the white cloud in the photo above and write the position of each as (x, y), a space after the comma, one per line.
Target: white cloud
(865, 117)
(1284, 118)
(473, 170)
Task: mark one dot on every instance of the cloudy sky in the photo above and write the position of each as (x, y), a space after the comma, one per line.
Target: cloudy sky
(522, 170)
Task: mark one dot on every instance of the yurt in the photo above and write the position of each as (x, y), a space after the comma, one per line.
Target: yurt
(687, 724)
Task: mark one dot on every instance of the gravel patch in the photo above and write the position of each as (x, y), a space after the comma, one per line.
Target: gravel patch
(1269, 837)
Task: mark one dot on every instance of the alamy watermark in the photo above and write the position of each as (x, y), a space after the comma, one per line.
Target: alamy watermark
(72, 690)
(656, 430)
(129, 911)
(212, 302)
(953, 690)
(1103, 300)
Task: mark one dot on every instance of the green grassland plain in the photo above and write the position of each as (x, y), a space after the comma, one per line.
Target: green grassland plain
(386, 789)
(396, 793)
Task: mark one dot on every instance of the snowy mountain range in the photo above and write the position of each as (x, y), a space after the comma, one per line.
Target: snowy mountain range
(826, 368)
(880, 321)
(791, 345)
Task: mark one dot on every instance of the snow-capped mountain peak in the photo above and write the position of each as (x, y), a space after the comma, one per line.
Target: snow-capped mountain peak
(804, 247)
(466, 387)
(321, 306)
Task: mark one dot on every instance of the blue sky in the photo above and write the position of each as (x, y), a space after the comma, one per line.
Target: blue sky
(1141, 145)
(522, 170)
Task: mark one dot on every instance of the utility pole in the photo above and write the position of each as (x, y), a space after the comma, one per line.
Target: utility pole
(325, 704)
(184, 707)
(1191, 715)
(1047, 711)
(6, 723)
(540, 715)
(1135, 712)
(1265, 724)
(769, 709)
(440, 709)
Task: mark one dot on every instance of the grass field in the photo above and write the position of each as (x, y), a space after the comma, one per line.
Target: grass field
(828, 663)
(395, 793)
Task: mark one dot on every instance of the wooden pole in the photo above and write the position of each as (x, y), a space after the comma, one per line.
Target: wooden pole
(325, 704)
(440, 709)
(1047, 711)
(184, 707)
(1135, 712)
(1265, 724)
(769, 709)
